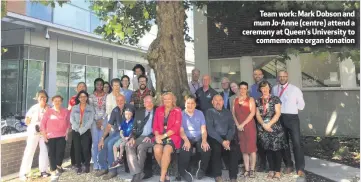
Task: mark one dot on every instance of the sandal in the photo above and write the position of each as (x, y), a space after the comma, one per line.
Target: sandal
(245, 174)
(252, 174)
(270, 175)
(277, 176)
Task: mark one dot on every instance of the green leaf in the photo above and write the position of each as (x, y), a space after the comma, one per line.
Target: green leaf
(145, 13)
(120, 34)
(129, 31)
(307, 49)
(108, 30)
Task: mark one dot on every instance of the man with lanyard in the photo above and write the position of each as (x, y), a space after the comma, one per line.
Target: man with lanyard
(138, 96)
(227, 92)
(205, 95)
(140, 141)
(195, 84)
(106, 157)
(258, 77)
(292, 101)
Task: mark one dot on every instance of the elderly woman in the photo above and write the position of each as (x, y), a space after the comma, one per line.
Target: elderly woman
(270, 132)
(54, 128)
(81, 119)
(98, 101)
(166, 129)
(33, 118)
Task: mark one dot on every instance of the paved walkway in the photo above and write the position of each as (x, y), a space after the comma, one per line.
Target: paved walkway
(331, 170)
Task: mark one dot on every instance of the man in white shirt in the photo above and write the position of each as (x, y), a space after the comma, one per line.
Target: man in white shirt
(195, 84)
(292, 101)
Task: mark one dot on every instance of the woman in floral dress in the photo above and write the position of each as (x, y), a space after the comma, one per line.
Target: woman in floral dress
(270, 132)
(98, 101)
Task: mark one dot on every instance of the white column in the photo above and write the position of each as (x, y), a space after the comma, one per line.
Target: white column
(201, 41)
(348, 73)
(293, 66)
(246, 64)
(51, 66)
(114, 73)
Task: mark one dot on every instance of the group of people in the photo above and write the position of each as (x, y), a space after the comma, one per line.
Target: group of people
(105, 125)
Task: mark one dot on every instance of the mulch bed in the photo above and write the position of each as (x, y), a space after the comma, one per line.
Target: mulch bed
(336, 149)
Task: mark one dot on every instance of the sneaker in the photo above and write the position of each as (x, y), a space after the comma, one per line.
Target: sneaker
(44, 174)
(78, 171)
(187, 176)
(200, 173)
(120, 161)
(115, 165)
(101, 172)
(109, 176)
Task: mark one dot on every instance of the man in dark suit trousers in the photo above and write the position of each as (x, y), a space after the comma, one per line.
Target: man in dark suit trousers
(140, 141)
(227, 93)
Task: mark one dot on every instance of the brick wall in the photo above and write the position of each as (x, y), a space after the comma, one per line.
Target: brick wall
(12, 151)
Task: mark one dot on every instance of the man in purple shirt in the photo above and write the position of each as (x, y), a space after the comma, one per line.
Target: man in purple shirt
(258, 77)
(194, 134)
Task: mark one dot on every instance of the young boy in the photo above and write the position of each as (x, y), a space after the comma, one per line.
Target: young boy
(125, 130)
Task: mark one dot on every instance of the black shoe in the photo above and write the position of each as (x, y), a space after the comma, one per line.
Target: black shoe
(187, 176)
(87, 169)
(200, 173)
(44, 174)
(60, 169)
(78, 171)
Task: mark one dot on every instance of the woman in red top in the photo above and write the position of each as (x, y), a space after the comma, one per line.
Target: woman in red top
(244, 109)
(166, 129)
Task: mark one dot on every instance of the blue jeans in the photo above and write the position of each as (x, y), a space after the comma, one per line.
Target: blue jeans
(106, 156)
(96, 136)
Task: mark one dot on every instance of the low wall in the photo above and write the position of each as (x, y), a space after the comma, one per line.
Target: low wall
(331, 113)
(12, 151)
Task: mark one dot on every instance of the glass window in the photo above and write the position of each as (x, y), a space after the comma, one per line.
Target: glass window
(320, 70)
(224, 68)
(72, 16)
(269, 66)
(10, 103)
(104, 74)
(62, 82)
(34, 80)
(77, 74)
(81, 4)
(38, 53)
(38, 11)
(11, 53)
(94, 22)
(92, 73)
(120, 73)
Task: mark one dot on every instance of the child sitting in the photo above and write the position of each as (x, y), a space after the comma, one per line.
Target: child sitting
(125, 130)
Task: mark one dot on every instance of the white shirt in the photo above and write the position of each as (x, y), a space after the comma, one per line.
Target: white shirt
(35, 113)
(111, 103)
(291, 98)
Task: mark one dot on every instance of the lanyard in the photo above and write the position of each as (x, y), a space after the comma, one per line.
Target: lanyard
(265, 106)
(280, 93)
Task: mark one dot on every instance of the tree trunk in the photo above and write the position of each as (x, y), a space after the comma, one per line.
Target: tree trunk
(166, 54)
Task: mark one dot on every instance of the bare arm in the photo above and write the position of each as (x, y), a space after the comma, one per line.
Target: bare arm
(204, 133)
(259, 117)
(277, 114)
(234, 113)
(252, 108)
(183, 135)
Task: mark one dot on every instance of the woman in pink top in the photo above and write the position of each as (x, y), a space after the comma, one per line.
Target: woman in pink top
(54, 127)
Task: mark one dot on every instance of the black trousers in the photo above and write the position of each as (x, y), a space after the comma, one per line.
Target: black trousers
(56, 150)
(291, 125)
(274, 160)
(185, 156)
(81, 148)
(218, 151)
(261, 153)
